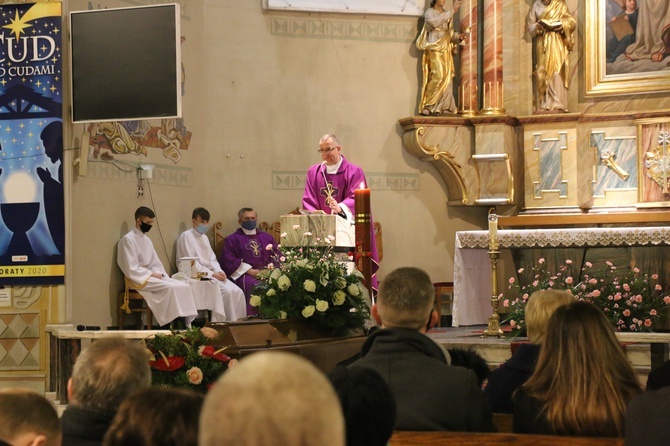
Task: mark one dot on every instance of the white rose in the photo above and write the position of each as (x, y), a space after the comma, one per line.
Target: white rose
(308, 311)
(309, 286)
(282, 315)
(340, 282)
(209, 332)
(321, 305)
(354, 290)
(284, 283)
(194, 375)
(271, 292)
(275, 274)
(254, 300)
(339, 297)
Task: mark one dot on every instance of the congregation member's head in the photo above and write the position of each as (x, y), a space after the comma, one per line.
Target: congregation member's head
(200, 220)
(583, 379)
(329, 148)
(367, 403)
(406, 298)
(28, 419)
(144, 219)
(246, 217)
(157, 416)
(107, 372)
(272, 398)
(541, 305)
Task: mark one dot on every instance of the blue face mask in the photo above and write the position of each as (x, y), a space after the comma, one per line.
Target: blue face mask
(249, 225)
(202, 228)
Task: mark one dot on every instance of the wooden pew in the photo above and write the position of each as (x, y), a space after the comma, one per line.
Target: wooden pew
(412, 438)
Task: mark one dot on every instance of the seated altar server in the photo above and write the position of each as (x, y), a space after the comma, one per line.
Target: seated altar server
(194, 243)
(246, 252)
(168, 298)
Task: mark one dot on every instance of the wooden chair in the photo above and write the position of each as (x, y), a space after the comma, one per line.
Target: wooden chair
(412, 438)
(135, 305)
(444, 294)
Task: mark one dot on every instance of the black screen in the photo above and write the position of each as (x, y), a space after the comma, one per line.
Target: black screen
(125, 63)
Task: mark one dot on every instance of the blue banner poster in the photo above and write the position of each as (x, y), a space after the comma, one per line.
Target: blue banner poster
(32, 217)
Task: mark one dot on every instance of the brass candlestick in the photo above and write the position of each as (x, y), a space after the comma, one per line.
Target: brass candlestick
(493, 328)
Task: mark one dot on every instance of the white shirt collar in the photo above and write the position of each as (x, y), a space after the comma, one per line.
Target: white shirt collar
(335, 167)
(248, 232)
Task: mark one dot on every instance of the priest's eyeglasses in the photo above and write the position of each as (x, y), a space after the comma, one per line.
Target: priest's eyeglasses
(327, 149)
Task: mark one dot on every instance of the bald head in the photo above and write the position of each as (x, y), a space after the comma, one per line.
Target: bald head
(272, 398)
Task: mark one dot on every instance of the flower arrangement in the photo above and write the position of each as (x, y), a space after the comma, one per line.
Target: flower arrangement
(632, 301)
(182, 359)
(311, 285)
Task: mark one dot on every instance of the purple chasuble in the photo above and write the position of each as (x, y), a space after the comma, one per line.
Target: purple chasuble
(343, 183)
(250, 249)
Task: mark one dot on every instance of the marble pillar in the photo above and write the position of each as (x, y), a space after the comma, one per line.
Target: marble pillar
(492, 85)
(468, 89)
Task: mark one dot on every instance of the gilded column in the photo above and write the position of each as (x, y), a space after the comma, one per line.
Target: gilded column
(468, 90)
(492, 84)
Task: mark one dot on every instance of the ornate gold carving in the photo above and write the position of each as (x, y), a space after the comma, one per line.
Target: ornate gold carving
(449, 168)
(657, 162)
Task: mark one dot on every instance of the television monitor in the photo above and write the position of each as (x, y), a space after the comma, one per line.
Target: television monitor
(125, 63)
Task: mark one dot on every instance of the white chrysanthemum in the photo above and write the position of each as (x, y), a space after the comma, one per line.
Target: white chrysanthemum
(308, 311)
(353, 289)
(309, 286)
(321, 305)
(284, 283)
(340, 283)
(339, 297)
(254, 300)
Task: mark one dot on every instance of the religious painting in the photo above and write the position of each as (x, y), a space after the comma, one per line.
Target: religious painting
(627, 47)
(32, 218)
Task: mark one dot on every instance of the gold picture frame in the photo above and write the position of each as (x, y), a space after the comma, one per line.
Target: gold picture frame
(617, 78)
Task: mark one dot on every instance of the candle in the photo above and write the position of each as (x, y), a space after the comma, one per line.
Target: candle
(362, 200)
(363, 234)
(493, 232)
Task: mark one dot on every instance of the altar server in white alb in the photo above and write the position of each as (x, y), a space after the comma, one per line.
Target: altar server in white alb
(167, 298)
(194, 243)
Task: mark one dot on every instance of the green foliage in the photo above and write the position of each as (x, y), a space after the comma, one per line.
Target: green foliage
(311, 285)
(632, 302)
(177, 356)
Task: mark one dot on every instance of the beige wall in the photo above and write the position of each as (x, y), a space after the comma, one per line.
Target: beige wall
(257, 102)
(261, 88)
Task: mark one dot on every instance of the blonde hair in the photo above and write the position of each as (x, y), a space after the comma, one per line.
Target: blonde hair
(541, 305)
(406, 298)
(272, 398)
(583, 378)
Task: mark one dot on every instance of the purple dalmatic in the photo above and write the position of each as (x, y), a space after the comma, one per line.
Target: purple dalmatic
(250, 249)
(341, 186)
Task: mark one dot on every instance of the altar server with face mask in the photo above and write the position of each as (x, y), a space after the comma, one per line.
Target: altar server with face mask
(167, 298)
(230, 305)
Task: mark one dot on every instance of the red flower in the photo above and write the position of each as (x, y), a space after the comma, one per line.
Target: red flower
(168, 364)
(209, 352)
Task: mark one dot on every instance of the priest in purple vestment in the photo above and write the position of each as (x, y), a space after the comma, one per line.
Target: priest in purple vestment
(330, 186)
(246, 252)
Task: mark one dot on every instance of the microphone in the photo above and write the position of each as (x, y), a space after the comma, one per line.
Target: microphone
(88, 327)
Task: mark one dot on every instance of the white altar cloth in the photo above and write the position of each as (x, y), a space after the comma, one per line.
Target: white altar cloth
(472, 266)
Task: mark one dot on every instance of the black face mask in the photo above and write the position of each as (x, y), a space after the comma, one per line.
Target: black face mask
(145, 227)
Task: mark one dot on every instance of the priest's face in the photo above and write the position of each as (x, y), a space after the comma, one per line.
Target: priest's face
(247, 216)
(330, 152)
